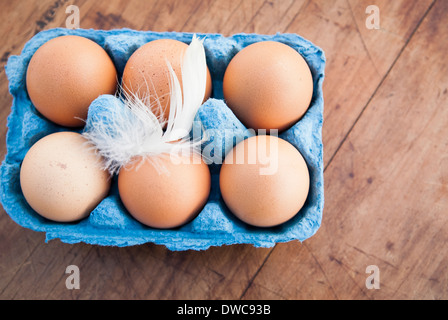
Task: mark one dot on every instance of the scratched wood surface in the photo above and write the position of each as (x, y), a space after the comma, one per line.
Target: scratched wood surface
(385, 152)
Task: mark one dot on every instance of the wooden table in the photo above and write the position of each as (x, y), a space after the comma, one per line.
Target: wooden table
(385, 153)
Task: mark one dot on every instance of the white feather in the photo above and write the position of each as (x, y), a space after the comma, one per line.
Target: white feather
(194, 80)
(135, 132)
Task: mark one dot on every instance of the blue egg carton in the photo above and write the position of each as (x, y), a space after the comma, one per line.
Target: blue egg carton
(109, 224)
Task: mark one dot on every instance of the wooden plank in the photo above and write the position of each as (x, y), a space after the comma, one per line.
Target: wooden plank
(230, 17)
(19, 20)
(290, 272)
(16, 246)
(43, 270)
(387, 187)
(148, 15)
(152, 272)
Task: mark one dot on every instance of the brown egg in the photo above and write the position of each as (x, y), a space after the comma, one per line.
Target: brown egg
(167, 198)
(65, 75)
(61, 177)
(264, 181)
(268, 85)
(146, 72)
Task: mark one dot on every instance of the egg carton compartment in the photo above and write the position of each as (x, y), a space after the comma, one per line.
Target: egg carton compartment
(109, 224)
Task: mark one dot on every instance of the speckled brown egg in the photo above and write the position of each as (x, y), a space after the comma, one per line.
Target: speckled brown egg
(146, 73)
(264, 181)
(162, 193)
(268, 85)
(65, 75)
(62, 178)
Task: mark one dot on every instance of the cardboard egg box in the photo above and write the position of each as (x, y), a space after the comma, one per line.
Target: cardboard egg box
(109, 224)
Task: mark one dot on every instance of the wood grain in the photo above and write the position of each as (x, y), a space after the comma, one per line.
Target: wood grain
(386, 190)
(386, 177)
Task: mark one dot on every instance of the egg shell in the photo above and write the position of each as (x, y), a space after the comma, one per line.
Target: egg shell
(61, 177)
(146, 73)
(165, 192)
(110, 224)
(65, 75)
(268, 85)
(264, 181)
